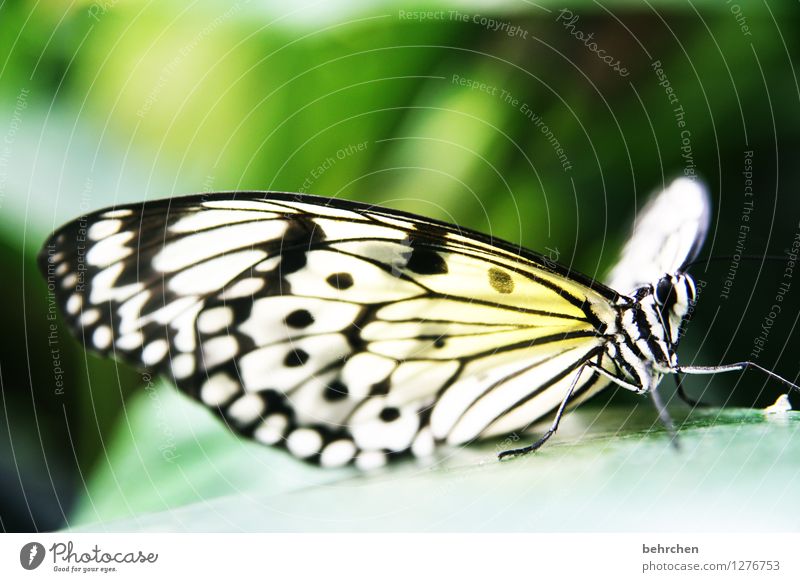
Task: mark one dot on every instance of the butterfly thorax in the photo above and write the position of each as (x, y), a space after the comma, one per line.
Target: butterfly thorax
(647, 329)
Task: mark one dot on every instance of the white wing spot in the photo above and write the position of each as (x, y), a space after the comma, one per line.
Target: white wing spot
(103, 229)
(364, 370)
(371, 432)
(338, 453)
(239, 205)
(154, 352)
(102, 337)
(69, 281)
(110, 250)
(213, 274)
(171, 311)
(268, 264)
(364, 278)
(199, 247)
(74, 304)
(103, 288)
(219, 349)
(244, 288)
(304, 442)
(266, 367)
(323, 210)
(130, 341)
(215, 319)
(214, 218)
(130, 312)
(267, 321)
(182, 366)
(218, 389)
(423, 444)
(184, 323)
(122, 213)
(271, 429)
(246, 408)
(370, 460)
(89, 317)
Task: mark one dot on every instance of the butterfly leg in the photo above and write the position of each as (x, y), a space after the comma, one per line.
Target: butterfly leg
(664, 417)
(663, 414)
(684, 396)
(553, 427)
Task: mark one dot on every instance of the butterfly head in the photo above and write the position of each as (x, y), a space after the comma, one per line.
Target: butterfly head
(674, 295)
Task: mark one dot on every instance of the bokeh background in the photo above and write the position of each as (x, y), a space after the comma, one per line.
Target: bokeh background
(544, 123)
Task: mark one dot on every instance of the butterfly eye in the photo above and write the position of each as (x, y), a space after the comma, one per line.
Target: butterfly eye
(664, 289)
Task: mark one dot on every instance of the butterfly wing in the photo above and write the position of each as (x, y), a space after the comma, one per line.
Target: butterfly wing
(667, 234)
(339, 330)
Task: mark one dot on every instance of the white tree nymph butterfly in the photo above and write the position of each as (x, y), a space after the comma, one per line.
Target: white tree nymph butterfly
(349, 333)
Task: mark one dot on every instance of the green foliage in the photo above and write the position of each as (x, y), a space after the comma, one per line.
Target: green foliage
(170, 467)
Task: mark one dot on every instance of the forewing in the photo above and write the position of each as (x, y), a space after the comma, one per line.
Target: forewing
(668, 233)
(336, 329)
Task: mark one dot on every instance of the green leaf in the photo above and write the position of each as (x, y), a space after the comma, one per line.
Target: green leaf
(171, 467)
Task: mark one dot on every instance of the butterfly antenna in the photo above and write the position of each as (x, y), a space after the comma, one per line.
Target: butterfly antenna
(678, 377)
(665, 418)
(738, 366)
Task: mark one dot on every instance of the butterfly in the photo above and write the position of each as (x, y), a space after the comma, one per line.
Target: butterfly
(349, 333)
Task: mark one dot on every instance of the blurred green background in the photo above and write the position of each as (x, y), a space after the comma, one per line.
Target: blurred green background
(500, 116)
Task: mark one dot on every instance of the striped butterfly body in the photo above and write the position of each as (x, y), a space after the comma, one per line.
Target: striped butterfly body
(348, 333)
